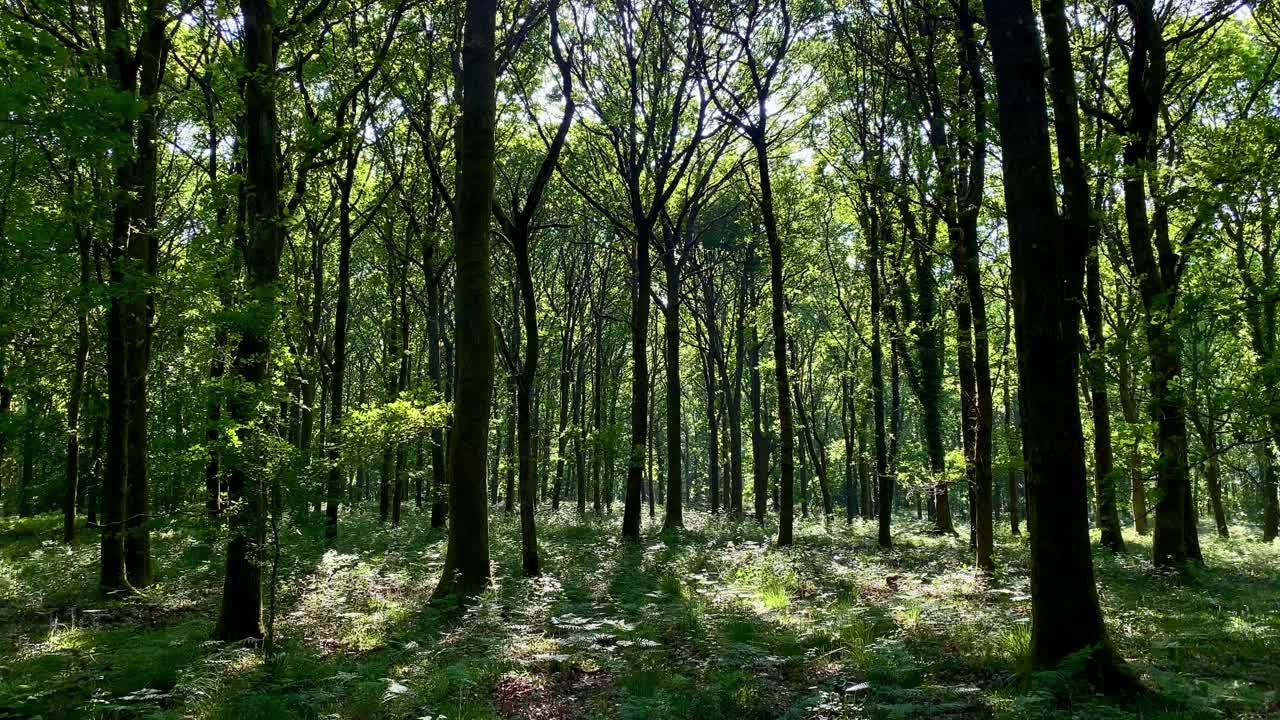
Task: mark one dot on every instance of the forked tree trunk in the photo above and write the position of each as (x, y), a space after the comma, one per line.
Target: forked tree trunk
(1046, 281)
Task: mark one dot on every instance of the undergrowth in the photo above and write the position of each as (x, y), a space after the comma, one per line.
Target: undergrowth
(706, 623)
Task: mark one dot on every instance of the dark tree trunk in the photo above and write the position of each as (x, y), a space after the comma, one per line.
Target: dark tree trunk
(1260, 315)
(307, 422)
(713, 436)
(777, 296)
(673, 516)
(6, 400)
(926, 380)
(597, 402)
(848, 423)
(241, 613)
(579, 428)
(1011, 459)
(759, 445)
(84, 241)
(1212, 468)
(142, 254)
(1048, 255)
(388, 489)
(439, 383)
(527, 484)
(466, 567)
(733, 388)
(639, 382)
(562, 437)
(338, 372)
(883, 479)
(1176, 540)
(27, 469)
(402, 478)
(1129, 407)
(509, 487)
(817, 450)
(125, 539)
(1103, 456)
(93, 480)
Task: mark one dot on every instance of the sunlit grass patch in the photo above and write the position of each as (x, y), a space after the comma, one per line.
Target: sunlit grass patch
(770, 578)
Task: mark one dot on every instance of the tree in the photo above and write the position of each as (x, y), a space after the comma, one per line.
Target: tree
(466, 567)
(241, 613)
(644, 122)
(1048, 254)
(744, 63)
(517, 227)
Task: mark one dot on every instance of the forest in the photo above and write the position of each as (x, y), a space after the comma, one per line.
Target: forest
(624, 359)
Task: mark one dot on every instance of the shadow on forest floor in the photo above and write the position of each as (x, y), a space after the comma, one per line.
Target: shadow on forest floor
(705, 623)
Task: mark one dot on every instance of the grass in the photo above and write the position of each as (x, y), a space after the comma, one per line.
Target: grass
(705, 623)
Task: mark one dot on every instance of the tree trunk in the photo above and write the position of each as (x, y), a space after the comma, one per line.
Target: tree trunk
(527, 483)
(759, 445)
(6, 400)
(1129, 407)
(1175, 540)
(1046, 283)
(84, 241)
(733, 388)
(466, 567)
(1011, 476)
(883, 480)
(1212, 472)
(848, 421)
(241, 613)
(817, 451)
(125, 555)
(597, 406)
(338, 373)
(712, 395)
(439, 383)
(782, 377)
(27, 469)
(639, 382)
(673, 516)
(579, 429)
(402, 477)
(509, 487)
(562, 437)
(1103, 457)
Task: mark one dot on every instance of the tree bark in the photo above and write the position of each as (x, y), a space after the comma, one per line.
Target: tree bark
(759, 444)
(1103, 456)
(84, 242)
(466, 567)
(883, 479)
(673, 512)
(1046, 281)
(782, 377)
(1175, 541)
(241, 613)
(639, 382)
(527, 483)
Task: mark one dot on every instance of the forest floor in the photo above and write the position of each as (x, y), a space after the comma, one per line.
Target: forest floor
(709, 623)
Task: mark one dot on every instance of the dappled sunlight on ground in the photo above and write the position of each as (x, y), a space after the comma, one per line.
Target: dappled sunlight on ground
(708, 622)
